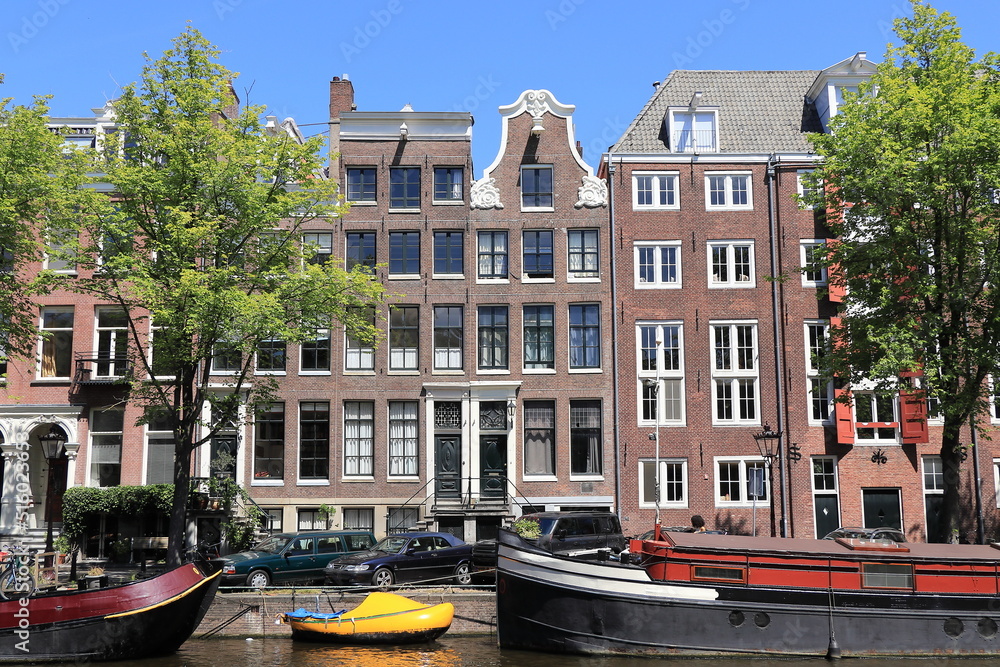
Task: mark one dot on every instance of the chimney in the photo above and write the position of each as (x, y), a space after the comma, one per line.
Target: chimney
(341, 101)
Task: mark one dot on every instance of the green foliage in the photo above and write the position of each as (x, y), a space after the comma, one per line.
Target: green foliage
(204, 239)
(81, 503)
(912, 173)
(527, 528)
(39, 193)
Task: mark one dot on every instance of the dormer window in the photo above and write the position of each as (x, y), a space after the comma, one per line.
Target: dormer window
(694, 131)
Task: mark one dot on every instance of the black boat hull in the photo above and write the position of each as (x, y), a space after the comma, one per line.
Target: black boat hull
(563, 605)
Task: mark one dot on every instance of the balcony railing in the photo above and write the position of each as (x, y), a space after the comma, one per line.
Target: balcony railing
(694, 141)
(97, 368)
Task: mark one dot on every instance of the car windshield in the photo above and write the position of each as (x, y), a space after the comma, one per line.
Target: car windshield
(390, 545)
(273, 545)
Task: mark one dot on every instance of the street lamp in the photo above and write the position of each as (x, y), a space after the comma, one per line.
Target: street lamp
(52, 446)
(769, 444)
(653, 385)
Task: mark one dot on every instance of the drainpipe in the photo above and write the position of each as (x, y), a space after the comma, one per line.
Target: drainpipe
(778, 345)
(616, 440)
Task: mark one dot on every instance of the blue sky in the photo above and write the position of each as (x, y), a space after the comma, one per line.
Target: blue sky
(445, 55)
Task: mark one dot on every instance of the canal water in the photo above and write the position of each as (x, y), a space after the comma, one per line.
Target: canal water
(455, 652)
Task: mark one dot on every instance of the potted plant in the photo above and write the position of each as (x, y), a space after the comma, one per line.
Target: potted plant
(527, 528)
(326, 512)
(63, 548)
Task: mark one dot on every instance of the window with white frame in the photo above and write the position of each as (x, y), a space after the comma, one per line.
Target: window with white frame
(57, 252)
(584, 335)
(875, 418)
(271, 355)
(404, 337)
(655, 191)
(56, 343)
(536, 187)
(733, 475)
(657, 264)
(112, 342)
(586, 454)
(663, 402)
(314, 353)
(106, 427)
(269, 442)
(728, 191)
(159, 451)
(539, 438)
(275, 519)
(584, 255)
(735, 373)
(448, 337)
(448, 184)
(401, 519)
(492, 255)
(404, 187)
(996, 481)
(359, 355)
(314, 440)
(359, 438)
(310, 519)
(320, 245)
(226, 359)
(693, 131)
(806, 191)
(403, 438)
(731, 264)
(820, 388)
(359, 518)
(995, 403)
(812, 252)
(673, 483)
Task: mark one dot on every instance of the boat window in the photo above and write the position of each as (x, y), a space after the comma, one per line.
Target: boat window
(886, 575)
(715, 573)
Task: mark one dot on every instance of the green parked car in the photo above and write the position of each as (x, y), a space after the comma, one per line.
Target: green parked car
(292, 557)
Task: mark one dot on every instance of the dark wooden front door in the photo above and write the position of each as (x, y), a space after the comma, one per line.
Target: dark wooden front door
(56, 488)
(448, 466)
(882, 508)
(493, 464)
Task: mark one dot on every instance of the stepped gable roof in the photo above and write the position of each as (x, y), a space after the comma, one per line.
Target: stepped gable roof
(758, 111)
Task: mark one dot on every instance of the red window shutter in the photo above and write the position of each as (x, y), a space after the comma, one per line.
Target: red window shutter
(844, 414)
(836, 338)
(835, 287)
(913, 421)
(914, 372)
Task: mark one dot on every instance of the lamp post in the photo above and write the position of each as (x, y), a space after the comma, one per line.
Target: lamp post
(769, 445)
(653, 385)
(52, 446)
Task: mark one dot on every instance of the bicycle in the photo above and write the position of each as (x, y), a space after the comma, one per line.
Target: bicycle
(16, 577)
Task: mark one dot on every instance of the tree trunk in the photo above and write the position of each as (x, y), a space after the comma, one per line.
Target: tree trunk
(951, 460)
(178, 511)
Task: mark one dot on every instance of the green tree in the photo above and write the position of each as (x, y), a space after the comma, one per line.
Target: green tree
(39, 193)
(201, 245)
(912, 173)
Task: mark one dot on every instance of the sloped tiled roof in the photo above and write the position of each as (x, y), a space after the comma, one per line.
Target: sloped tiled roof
(758, 111)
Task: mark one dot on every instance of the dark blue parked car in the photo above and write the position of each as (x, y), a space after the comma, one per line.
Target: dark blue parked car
(405, 557)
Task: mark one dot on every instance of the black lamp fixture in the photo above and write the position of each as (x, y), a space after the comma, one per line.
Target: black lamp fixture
(767, 443)
(511, 408)
(52, 446)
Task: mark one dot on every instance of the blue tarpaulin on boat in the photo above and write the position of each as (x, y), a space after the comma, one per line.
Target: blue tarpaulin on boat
(302, 613)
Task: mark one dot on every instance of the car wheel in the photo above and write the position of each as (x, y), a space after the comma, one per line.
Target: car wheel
(382, 578)
(462, 575)
(258, 579)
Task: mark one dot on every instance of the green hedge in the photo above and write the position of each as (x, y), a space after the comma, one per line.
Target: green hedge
(83, 502)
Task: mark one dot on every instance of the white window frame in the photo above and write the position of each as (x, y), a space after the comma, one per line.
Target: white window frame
(801, 188)
(733, 377)
(673, 377)
(662, 185)
(728, 204)
(647, 501)
(678, 145)
(996, 481)
(813, 376)
(322, 244)
(93, 474)
(520, 194)
(731, 281)
(807, 248)
(321, 334)
(858, 395)
(42, 342)
(118, 336)
(743, 462)
(657, 248)
(155, 435)
(584, 251)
